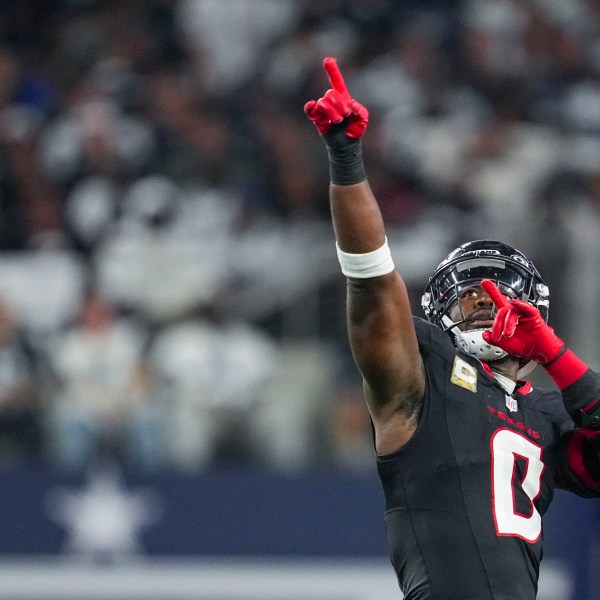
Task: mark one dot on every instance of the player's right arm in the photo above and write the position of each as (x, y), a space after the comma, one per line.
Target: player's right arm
(380, 323)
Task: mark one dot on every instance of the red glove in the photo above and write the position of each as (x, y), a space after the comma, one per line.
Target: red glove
(520, 330)
(336, 106)
(341, 122)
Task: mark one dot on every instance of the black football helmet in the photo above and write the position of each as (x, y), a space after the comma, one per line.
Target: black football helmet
(513, 273)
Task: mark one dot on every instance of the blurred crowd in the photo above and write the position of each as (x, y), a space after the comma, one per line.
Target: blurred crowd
(169, 293)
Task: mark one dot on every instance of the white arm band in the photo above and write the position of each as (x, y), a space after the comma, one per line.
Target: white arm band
(370, 264)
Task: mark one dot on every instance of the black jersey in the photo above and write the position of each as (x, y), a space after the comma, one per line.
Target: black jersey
(464, 497)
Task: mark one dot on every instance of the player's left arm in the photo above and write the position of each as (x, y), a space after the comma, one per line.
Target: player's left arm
(520, 330)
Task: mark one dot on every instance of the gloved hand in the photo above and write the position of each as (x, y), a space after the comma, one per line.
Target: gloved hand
(341, 121)
(520, 330)
(335, 106)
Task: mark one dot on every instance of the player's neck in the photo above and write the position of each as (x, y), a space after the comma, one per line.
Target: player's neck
(507, 367)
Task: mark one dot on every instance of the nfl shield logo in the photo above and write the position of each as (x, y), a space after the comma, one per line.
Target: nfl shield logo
(512, 404)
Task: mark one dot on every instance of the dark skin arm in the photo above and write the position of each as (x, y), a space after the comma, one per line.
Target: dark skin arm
(380, 323)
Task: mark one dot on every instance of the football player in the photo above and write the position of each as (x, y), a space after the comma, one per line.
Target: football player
(468, 453)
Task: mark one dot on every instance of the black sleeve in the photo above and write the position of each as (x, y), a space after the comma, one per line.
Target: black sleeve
(578, 462)
(582, 400)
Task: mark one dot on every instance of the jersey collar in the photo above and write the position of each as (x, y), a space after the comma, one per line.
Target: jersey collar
(523, 387)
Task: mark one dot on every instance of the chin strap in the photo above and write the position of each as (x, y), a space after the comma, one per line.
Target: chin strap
(526, 369)
(472, 342)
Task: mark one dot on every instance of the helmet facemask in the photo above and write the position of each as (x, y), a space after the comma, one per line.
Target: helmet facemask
(512, 272)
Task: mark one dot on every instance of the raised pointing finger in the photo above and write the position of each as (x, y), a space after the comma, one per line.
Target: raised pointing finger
(494, 293)
(335, 76)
